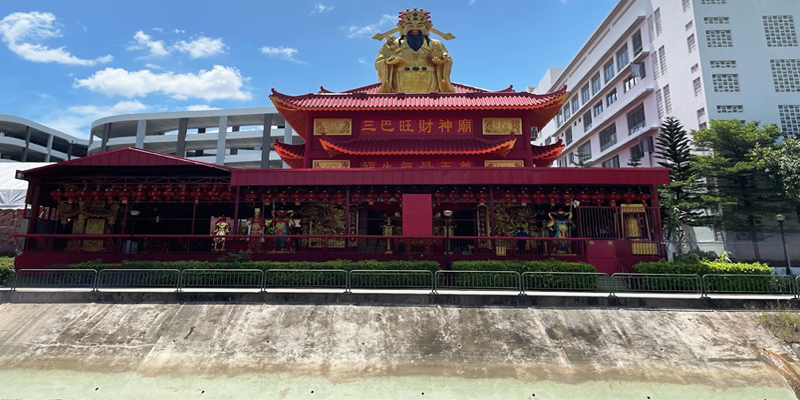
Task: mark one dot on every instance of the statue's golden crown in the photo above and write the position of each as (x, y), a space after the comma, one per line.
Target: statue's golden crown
(413, 16)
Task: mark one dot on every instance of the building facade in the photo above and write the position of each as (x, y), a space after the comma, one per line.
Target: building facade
(26, 141)
(694, 60)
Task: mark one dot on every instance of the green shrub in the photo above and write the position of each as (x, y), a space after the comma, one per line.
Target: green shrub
(6, 270)
(702, 267)
(523, 266)
(346, 265)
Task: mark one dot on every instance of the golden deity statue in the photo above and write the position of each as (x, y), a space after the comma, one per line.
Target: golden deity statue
(414, 63)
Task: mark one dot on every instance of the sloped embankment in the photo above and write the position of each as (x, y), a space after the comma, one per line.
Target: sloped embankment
(287, 351)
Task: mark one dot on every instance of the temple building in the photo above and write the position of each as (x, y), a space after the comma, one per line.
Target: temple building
(412, 167)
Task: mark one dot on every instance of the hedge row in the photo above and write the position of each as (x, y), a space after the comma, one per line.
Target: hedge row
(702, 267)
(346, 265)
(523, 266)
(5, 273)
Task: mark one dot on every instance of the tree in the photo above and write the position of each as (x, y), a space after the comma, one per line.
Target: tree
(782, 164)
(583, 156)
(636, 158)
(735, 184)
(681, 207)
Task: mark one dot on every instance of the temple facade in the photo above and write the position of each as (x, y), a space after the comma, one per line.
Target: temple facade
(412, 167)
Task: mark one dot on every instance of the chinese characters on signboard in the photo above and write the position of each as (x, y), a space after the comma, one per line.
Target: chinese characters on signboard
(433, 126)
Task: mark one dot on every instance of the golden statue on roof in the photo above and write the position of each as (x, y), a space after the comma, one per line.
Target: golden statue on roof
(414, 63)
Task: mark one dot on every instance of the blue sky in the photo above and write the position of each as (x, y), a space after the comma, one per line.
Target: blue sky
(67, 63)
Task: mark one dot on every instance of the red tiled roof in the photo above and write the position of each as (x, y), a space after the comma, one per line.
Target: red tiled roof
(543, 156)
(125, 157)
(541, 107)
(417, 146)
(459, 88)
(416, 101)
(291, 154)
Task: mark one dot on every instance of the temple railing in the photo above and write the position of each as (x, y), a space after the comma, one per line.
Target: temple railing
(457, 247)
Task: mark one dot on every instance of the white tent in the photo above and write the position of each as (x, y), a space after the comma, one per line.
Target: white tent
(13, 190)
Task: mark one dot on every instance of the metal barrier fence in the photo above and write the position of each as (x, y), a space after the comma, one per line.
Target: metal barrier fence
(256, 279)
(306, 278)
(138, 278)
(565, 281)
(222, 279)
(750, 284)
(657, 283)
(55, 278)
(477, 280)
(391, 279)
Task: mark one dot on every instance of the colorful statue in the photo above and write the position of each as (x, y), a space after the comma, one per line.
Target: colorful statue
(221, 229)
(414, 63)
(561, 225)
(281, 223)
(256, 229)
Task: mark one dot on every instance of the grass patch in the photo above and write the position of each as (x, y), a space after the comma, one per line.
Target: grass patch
(785, 324)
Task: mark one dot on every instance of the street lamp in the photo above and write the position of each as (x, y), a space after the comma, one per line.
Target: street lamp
(448, 215)
(134, 214)
(780, 218)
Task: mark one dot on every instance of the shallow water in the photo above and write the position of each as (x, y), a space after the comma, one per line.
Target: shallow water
(63, 384)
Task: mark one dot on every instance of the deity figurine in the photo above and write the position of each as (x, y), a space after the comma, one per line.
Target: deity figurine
(256, 229)
(281, 223)
(414, 63)
(561, 225)
(221, 229)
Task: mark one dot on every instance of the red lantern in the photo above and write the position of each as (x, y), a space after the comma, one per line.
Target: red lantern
(251, 197)
(643, 197)
(584, 197)
(371, 197)
(182, 194)
(438, 197)
(71, 195)
(539, 197)
(398, 196)
(338, 197)
(228, 194)
(324, 196)
(482, 197)
(267, 197)
(598, 197)
(167, 193)
(524, 198)
(154, 194)
(468, 196)
(510, 196)
(139, 194)
(553, 196)
(356, 196)
(614, 197)
(311, 196)
(453, 196)
(110, 195)
(123, 195)
(56, 194)
(385, 196)
(196, 195)
(297, 196)
(568, 197)
(629, 196)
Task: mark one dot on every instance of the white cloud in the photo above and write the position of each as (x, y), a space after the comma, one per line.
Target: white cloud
(200, 107)
(178, 31)
(77, 120)
(471, 2)
(286, 53)
(201, 47)
(362, 60)
(153, 66)
(219, 83)
(320, 8)
(22, 32)
(145, 41)
(369, 30)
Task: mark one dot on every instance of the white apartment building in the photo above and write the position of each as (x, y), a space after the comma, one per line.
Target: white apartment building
(694, 60)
